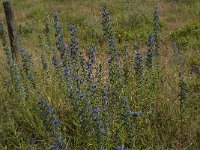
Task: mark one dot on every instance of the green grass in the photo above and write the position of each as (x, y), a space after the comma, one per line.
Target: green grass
(188, 37)
(159, 127)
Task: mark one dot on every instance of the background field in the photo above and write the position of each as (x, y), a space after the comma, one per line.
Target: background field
(132, 20)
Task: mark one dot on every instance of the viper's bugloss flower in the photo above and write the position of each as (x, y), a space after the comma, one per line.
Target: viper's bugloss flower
(138, 64)
(84, 115)
(17, 80)
(106, 23)
(45, 64)
(105, 98)
(31, 141)
(51, 124)
(89, 68)
(43, 56)
(73, 46)
(122, 148)
(47, 31)
(57, 24)
(47, 25)
(156, 20)
(27, 64)
(150, 51)
(56, 61)
(178, 55)
(15, 75)
(135, 113)
(60, 44)
(113, 53)
(156, 33)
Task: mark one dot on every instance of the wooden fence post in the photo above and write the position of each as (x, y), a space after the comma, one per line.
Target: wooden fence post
(11, 29)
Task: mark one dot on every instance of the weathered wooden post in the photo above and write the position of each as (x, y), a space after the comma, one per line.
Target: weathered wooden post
(12, 32)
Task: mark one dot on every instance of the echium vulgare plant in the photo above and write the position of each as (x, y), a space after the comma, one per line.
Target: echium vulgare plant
(89, 68)
(47, 32)
(99, 75)
(149, 53)
(127, 117)
(138, 64)
(72, 66)
(27, 64)
(47, 29)
(83, 114)
(113, 57)
(138, 75)
(54, 56)
(75, 51)
(14, 69)
(156, 33)
(102, 121)
(76, 65)
(60, 44)
(87, 102)
(94, 120)
(122, 148)
(43, 56)
(113, 53)
(69, 78)
(69, 63)
(56, 63)
(45, 64)
(16, 77)
(88, 116)
(62, 49)
(52, 125)
(100, 127)
(182, 83)
(177, 54)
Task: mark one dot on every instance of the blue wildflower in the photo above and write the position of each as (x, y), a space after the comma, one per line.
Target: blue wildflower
(73, 43)
(122, 148)
(27, 64)
(135, 113)
(113, 54)
(31, 141)
(47, 32)
(51, 124)
(60, 44)
(156, 33)
(138, 66)
(150, 51)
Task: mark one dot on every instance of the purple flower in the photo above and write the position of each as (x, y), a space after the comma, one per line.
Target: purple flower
(136, 113)
(83, 95)
(122, 148)
(51, 124)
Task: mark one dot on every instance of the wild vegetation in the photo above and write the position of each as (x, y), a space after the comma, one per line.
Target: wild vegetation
(112, 75)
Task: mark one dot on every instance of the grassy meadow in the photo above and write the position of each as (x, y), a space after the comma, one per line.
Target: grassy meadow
(101, 75)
